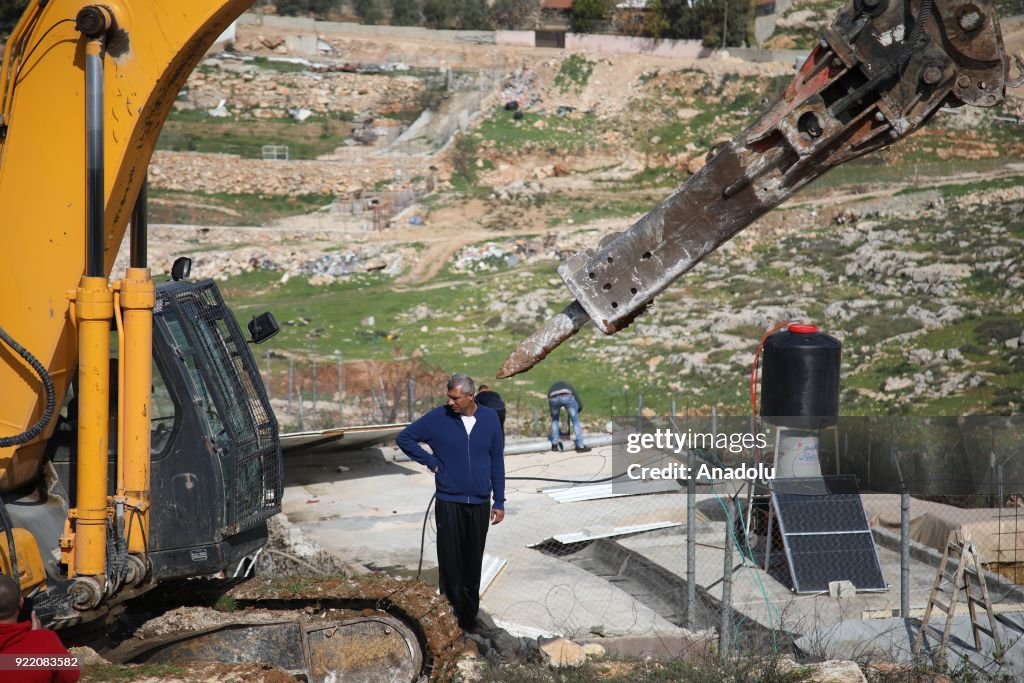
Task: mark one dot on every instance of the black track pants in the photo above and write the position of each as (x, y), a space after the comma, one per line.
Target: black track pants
(461, 534)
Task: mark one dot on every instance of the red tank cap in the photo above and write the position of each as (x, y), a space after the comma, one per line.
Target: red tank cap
(802, 328)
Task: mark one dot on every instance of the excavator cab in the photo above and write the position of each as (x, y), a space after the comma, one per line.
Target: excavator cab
(215, 456)
(217, 476)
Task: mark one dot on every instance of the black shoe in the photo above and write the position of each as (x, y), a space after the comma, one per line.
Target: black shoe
(555, 447)
(583, 449)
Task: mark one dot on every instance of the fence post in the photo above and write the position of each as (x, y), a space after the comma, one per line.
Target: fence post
(999, 486)
(516, 425)
(870, 481)
(725, 638)
(639, 410)
(411, 387)
(291, 384)
(314, 389)
(691, 543)
(905, 554)
(341, 387)
(298, 395)
(904, 537)
(266, 381)
(374, 403)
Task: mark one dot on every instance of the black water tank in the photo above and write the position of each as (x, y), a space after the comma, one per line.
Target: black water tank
(800, 378)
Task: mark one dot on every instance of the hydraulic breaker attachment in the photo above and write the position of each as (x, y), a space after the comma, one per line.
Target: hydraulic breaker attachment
(877, 75)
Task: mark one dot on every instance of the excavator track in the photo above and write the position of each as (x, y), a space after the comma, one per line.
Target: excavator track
(320, 628)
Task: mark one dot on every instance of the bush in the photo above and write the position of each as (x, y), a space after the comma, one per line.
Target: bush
(405, 13)
(514, 14)
(588, 15)
(10, 11)
(997, 330)
(369, 11)
(464, 157)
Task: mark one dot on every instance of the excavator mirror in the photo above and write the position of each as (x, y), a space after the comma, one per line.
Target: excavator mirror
(181, 268)
(262, 327)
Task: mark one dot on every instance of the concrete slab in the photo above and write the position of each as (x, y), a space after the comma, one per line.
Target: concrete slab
(373, 513)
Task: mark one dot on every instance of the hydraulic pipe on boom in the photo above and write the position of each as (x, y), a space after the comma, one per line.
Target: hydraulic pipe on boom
(137, 298)
(94, 309)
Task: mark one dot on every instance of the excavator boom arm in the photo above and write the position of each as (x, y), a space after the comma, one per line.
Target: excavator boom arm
(149, 53)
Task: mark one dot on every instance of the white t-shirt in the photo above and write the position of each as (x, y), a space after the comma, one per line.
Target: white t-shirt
(468, 421)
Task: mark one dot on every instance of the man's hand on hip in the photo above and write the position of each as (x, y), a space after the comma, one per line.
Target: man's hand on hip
(497, 515)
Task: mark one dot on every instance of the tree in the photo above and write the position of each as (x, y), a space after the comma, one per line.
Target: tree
(438, 13)
(291, 8)
(473, 15)
(369, 11)
(588, 15)
(514, 14)
(671, 19)
(322, 9)
(718, 17)
(405, 13)
(10, 11)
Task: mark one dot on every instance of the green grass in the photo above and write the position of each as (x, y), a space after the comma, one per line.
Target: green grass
(221, 208)
(574, 73)
(225, 603)
(655, 176)
(565, 134)
(335, 313)
(583, 210)
(962, 189)
(278, 66)
(196, 131)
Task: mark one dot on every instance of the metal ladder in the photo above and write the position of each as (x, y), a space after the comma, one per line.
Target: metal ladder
(969, 577)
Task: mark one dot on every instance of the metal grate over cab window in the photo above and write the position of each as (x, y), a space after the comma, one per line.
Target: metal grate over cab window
(243, 426)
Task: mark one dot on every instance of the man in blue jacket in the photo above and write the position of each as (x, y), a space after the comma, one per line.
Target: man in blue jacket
(468, 463)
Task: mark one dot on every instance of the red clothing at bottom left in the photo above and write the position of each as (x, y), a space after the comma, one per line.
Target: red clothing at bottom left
(20, 639)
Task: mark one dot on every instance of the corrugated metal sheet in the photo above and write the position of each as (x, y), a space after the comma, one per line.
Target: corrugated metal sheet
(571, 494)
(491, 568)
(605, 532)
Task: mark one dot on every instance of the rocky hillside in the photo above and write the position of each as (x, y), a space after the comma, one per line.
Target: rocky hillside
(911, 257)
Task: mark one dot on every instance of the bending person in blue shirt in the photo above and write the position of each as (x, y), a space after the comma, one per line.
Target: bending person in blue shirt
(468, 463)
(563, 395)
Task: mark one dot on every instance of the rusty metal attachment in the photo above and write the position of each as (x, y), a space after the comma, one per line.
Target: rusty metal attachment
(879, 72)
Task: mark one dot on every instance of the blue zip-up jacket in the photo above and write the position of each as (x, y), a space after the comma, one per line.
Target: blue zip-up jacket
(469, 468)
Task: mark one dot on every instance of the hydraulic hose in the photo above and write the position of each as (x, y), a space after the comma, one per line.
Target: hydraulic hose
(9, 532)
(51, 395)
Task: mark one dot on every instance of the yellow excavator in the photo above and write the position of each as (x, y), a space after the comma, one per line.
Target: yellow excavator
(138, 448)
(137, 443)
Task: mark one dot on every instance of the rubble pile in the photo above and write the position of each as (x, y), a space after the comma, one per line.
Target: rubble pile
(518, 86)
(251, 92)
(322, 269)
(519, 191)
(192, 172)
(491, 256)
(295, 253)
